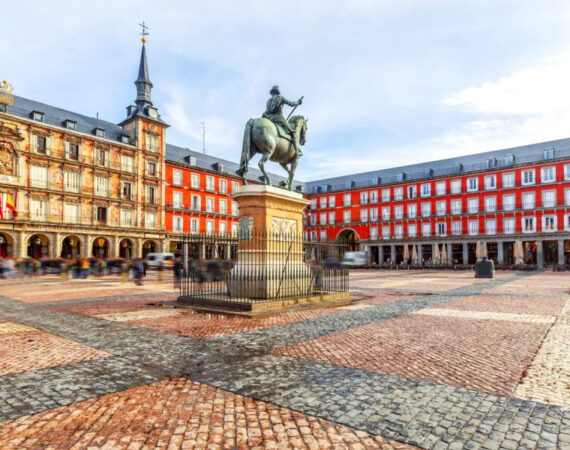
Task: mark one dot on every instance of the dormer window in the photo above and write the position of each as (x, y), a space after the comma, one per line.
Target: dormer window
(316, 189)
(300, 188)
(400, 176)
(549, 153)
(37, 115)
(349, 184)
(70, 124)
(509, 160)
(99, 132)
(375, 180)
(192, 160)
(2, 107)
(220, 167)
(428, 172)
(124, 138)
(457, 168)
(491, 163)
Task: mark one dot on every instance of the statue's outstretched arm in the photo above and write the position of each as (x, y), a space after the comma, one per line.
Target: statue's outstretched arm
(288, 102)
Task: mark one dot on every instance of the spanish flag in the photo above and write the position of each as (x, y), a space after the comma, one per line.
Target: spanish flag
(10, 205)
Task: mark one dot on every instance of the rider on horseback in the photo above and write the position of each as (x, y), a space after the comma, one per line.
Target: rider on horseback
(274, 112)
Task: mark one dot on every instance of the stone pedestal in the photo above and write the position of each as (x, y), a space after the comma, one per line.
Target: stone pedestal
(270, 253)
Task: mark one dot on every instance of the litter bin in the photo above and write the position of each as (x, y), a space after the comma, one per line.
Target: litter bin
(484, 268)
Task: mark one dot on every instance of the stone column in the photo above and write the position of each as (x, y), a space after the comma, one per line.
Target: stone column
(21, 245)
(392, 253)
(202, 251)
(228, 251)
(420, 253)
(500, 254)
(539, 254)
(380, 254)
(185, 256)
(449, 253)
(560, 244)
(465, 252)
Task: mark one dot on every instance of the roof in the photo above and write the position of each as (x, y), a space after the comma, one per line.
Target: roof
(182, 156)
(23, 107)
(469, 163)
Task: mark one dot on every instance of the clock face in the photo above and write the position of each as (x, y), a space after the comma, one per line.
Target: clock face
(152, 113)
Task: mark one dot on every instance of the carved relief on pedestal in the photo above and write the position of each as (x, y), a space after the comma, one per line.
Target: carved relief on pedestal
(283, 227)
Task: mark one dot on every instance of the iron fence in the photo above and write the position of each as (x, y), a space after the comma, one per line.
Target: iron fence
(259, 268)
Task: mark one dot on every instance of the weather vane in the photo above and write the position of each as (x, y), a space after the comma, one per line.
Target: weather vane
(144, 31)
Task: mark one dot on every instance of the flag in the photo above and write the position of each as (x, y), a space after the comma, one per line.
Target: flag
(10, 205)
(1, 209)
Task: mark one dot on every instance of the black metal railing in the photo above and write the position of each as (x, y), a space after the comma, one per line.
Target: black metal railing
(259, 268)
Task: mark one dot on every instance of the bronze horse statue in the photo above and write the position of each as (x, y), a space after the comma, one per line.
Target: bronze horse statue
(261, 136)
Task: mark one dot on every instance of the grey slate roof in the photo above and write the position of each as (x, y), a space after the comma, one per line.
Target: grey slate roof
(204, 161)
(23, 107)
(469, 163)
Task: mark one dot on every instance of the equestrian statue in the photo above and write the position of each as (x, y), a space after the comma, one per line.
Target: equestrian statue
(276, 138)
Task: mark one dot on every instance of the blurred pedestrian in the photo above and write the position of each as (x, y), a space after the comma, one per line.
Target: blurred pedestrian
(178, 271)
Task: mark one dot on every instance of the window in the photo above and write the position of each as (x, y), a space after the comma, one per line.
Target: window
(151, 169)
(196, 203)
(548, 199)
(386, 213)
(385, 195)
(547, 174)
(373, 214)
(549, 153)
(426, 190)
(323, 218)
(313, 235)
(363, 198)
(491, 226)
(99, 132)
(313, 203)
(223, 206)
(150, 220)
(71, 151)
(398, 212)
(126, 190)
(549, 223)
(192, 160)
(323, 202)
(509, 202)
(426, 209)
(528, 224)
(210, 183)
(235, 187)
(223, 186)
(456, 206)
(473, 227)
(101, 186)
(386, 232)
(364, 215)
(348, 184)
(71, 212)
(177, 199)
(346, 216)
(332, 201)
(567, 197)
(527, 177)
(441, 229)
(508, 225)
(177, 224)
(472, 184)
(400, 176)
(374, 233)
(222, 228)
(490, 182)
(528, 200)
(151, 142)
(456, 187)
(39, 144)
(101, 157)
(235, 229)
(127, 163)
(567, 172)
(412, 210)
(332, 217)
(71, 181)
(235, 209)
(177, 177)
(491, 163)
(101, 215)
(473, 205)
(323, 235)
(412, 191)
(346, 201)
(39, 116)
(126, 217)
(398, 193)
(313, 219)
(150, 194)
(195, 180)
(441, 208)
(490, 204)
(567, 222)
(412, 230)
(426, 229)
(194, 226)
(209, 204)
(38, 209)
(456, 227)
(509, 160)
(509, 180)
(399, 231)
(375, 180)
(440, 188)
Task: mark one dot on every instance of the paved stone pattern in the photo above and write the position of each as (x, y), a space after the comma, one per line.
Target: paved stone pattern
(475, 354)
(549, 306)
(179, 413)
(486, 315)
(416, 412)
(132, 316)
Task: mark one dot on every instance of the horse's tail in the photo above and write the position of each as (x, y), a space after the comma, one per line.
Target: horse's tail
(246, 148)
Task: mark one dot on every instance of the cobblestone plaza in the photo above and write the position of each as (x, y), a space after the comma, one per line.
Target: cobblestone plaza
(429, 359)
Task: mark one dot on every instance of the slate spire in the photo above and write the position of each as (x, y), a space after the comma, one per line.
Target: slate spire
(143, 83)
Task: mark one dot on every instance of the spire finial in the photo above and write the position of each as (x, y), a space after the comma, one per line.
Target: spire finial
(144, 31)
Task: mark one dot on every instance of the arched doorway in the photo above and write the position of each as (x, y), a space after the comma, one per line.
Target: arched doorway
(148, 247)
(126, 249)
(6, 245)
(38, 246)
(71, 247)
(100, 248)
(349, 238)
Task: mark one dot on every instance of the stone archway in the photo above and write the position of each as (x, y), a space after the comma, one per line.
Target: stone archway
(6, 245)
(349, 237)
(149, 247)
(126, 249)
(38, 246)
(71, 247)
(100, 247)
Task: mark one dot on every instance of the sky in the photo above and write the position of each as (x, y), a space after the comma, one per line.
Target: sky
(385, 82)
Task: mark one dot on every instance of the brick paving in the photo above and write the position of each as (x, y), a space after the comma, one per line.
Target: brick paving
(442, 393)
(486, 315)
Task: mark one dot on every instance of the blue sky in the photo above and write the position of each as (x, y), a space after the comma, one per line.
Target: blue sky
(386, 83)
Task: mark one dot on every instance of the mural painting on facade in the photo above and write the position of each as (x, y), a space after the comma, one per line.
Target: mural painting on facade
(114, 186)
(115, 216)
(6, 159)
(56, 176)
(87, 182)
